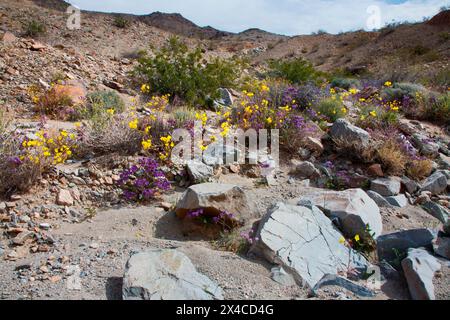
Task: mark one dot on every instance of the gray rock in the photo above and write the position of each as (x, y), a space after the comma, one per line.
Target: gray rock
(198, 171)
(441, 246)
(386, 186)
(279, 275)
(73, 281)
(394, 246)
(307, 170)
(379, 199)
(164, 274)
(2, 207)
(436, 183)
(353, 208)
(425, 145)
(335, 280)
(219, 154)
(419, 269)
(410, 185)
(344, 131)
(214, 198)
(399, 201)
(436, 210)
(226, 99)
(447, 227)
(305, 243)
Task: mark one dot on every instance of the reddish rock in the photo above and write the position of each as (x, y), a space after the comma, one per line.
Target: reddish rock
(8, 37)
(64, 198)
(375, 170)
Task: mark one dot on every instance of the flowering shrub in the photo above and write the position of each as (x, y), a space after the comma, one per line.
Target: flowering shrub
(144, 181)
(23, 160)
(55, 101)
(225, 220)
(108, 133)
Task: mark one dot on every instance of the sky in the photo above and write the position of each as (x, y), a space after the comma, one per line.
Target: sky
(288, 17)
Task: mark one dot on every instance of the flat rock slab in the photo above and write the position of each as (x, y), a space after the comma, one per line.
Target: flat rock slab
(305, 243)
(166, 275)
(394, 246)
(354, 209)
(399, 201)
(419, 269)
(386, 186)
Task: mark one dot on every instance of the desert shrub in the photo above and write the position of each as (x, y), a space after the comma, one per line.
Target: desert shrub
(419, 169)
(107, 133)
(401, 90)
(380, 115)
(176, 70)
(54, 101)
(34, 29)
(121, 22)
(303, 96)
(296, 70)
(235, 241)
(143, 181)
(23, 160)
(438, 109)
(182, 116)
(392, 157)
(295, 130)
(332, 109)
(345, 83)
(100, 102)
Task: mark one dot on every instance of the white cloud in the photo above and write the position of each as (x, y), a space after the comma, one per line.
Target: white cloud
(281, 16)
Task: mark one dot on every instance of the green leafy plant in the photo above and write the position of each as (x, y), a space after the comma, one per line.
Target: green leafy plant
(121, 22)
(296, 70)
(35, 28)
(184, 73)
(345, 83)
(333, 109)
(100, 102)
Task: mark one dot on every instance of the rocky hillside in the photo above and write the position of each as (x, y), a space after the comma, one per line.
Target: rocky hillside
(93, 194)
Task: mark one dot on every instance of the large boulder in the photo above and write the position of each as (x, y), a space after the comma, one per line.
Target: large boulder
(436, 183)
(419, 269)
(166, 275)
(386, 186)
(305, 243)
(215, 198)
(353, 208)
(342, 130)
(392, 246)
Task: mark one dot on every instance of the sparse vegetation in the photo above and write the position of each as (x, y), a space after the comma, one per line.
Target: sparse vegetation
(34, 29)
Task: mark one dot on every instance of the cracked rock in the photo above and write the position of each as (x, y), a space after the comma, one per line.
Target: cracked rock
(305, 243)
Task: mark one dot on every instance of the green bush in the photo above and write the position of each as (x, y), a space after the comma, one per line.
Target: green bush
(333, 109)
(99, 102)
(296, 71)
(401, 90)
(176, 70)
(345, 83)
(121, 22)
(439, 109)
(35, 28)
